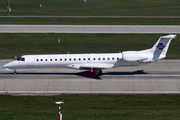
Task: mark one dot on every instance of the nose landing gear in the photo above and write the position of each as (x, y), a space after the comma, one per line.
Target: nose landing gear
(15, 72)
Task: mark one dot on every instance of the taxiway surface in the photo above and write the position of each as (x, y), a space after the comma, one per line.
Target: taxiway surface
(158, 77)
(90, 29)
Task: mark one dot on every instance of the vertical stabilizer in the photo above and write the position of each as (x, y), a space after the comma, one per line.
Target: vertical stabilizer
(161, 47)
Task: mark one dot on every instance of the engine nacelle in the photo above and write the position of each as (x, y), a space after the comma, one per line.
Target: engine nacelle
(133, 57)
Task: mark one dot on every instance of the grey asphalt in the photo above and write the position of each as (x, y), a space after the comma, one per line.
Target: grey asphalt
(171, 29)
(159, 77)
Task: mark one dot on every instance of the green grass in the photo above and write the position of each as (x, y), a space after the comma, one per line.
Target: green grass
(20, 44)
(91, 21)
(91, 107)
(96, 8)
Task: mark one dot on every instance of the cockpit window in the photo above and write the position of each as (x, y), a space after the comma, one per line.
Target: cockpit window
(19, 59)
(22, 59)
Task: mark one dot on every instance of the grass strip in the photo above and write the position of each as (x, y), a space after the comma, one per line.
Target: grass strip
(91, 21)
(91, 107)
(14, 44)
(95, 8)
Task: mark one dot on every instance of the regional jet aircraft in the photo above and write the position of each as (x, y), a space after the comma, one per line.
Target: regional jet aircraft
(94, 62)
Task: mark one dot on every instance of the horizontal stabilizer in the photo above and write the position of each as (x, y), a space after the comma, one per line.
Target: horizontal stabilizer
(169, 36)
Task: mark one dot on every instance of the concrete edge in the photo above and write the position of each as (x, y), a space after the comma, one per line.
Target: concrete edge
(51, 93)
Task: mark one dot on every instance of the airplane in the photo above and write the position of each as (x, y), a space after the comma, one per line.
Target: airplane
(94, 62)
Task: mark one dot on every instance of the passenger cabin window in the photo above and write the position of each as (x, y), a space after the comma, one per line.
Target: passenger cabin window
(112, 58)
(37, 59)
(45, 59)
(55, 59)
(69, 59)
(94, 58)
(84, 59)
(74, 59)
(50, 59)
(99, 58)
(60, 59)
(103, 58)
(41, 59)
(79, 59)
(108, 58)
(65, 59)
(88, 58)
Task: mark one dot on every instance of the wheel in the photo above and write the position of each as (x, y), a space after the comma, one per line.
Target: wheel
(15, 73)
(100, 73)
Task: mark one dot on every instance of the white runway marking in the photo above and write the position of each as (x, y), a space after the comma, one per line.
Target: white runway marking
(154, 75)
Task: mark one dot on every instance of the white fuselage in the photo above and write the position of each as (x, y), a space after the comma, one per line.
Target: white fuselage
(76, 61)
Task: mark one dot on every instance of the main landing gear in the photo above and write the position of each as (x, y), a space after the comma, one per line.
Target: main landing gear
(98, 72)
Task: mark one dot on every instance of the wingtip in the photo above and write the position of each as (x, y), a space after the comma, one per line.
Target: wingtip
(169, 36)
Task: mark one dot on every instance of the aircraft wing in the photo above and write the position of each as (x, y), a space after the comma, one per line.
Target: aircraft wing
(90, 66)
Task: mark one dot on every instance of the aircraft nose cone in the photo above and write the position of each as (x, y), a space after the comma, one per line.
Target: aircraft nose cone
(8, 65)
(5, 66)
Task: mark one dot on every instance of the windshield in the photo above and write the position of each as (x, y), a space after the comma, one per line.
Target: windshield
(18, 58)
(21, 59)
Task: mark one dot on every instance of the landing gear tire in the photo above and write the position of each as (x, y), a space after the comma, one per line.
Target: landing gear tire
(15, 73)
(98, 72)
